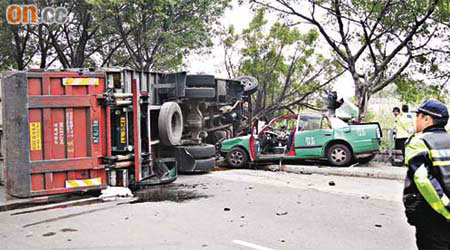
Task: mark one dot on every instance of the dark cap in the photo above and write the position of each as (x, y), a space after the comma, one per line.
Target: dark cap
(405, 108)
(396, 109)
(433, 108)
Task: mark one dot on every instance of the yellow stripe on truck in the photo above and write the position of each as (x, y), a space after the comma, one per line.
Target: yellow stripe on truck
(83, 183)
(73, 81)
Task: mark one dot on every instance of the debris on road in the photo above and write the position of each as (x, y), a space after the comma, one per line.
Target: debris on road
(365, 197)
(354, 165)
(114, 193)
(227, 209)
(378, 225)
(331, 183)
(273, 168)
(49, 234)
(282, 213)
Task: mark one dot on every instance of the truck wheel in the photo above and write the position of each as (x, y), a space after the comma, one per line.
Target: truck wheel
(250, 84)
(339, 155)
(200, 81)
(170, 124)
(236, 157)
(200, 92)
(367, 159)
(200, 151)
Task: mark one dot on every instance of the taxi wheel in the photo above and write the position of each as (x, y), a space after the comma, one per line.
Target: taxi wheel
(236, 157)
(339, 155)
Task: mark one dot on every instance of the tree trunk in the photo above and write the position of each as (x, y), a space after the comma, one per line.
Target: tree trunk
(43, 46)
(362, 97)
(19, 50)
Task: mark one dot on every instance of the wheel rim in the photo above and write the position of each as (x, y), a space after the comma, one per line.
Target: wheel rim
(338, 155)
(247, 83)
(237, 158)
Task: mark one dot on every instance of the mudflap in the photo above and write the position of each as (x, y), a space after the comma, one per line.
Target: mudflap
(164, 172)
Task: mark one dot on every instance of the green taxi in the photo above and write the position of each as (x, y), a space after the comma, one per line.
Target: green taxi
(304, 136)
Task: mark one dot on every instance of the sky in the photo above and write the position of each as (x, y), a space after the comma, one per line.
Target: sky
(240, 16)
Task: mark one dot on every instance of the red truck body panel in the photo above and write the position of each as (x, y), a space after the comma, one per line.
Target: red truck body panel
(54, 132)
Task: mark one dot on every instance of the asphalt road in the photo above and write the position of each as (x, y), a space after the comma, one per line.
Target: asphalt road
(236, 209)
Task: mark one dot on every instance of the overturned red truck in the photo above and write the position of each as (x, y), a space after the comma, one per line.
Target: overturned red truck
(81, 129)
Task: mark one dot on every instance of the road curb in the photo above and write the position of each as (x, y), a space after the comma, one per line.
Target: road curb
(53, 201)
(8, 203)
(389, 173)
(15, 204)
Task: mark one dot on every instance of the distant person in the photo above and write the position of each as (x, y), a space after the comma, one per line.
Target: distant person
(408, 119)
(333, 103)
(401, 130)
(284, 135)
(427, 184)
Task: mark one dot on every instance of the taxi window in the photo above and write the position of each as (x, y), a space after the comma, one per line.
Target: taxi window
(326, 123)
(309, 123)
(288, 122)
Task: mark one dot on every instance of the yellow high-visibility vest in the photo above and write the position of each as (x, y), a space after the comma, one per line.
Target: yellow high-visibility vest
(404, 125)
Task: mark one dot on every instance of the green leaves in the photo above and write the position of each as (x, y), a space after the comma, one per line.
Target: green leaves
(284, 60)
(143, 34)
(415, 91)
(375, 40)
(159, 34)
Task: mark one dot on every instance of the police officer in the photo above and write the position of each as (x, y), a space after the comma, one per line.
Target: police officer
(427, 184)
(399, 139)
(405, 127)
(401, 124)
(408, 119)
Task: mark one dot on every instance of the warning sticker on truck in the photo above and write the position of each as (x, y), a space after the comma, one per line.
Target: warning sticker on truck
(35, 136)
(69, 131)
(83, 183)
(123, 133)
(58, 133)
(72, 81)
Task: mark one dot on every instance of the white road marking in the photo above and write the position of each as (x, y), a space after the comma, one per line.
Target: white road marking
(250, 245)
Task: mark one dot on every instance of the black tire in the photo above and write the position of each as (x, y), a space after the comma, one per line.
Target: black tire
(200, 151)
(250, 84)
(367, 159)
(200, 92)
(236, 157)
(201, 81)
(170, 124)
(339, 155)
